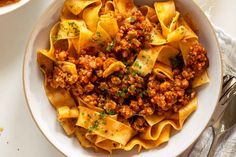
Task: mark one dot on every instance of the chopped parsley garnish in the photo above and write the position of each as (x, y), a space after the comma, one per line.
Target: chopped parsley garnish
(98, 34)
(120, 75)
(189, 91)
(89, 115)
(104, 123)
(136, 64)
(95, 126)
(143, 93)
(132, 19)
(177, 62)
(111, 112)
(111, 46)
(122, 92)
(102, 115)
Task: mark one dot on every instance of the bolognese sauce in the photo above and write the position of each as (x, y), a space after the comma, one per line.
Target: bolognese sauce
(125, 92)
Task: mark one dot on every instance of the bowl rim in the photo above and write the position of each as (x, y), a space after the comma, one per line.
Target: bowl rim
(24, 80)
(13, 7)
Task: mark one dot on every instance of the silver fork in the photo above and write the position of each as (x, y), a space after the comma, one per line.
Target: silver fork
(227, 119)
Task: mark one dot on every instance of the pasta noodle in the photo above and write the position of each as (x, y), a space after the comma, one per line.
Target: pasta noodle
(121, 76)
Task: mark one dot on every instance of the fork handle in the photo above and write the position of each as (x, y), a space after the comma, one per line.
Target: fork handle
(216, 138)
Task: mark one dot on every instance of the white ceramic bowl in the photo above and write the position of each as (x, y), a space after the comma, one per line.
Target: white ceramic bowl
(45, 116)
(12, 7)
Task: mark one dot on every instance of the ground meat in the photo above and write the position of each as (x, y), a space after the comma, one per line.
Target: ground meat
(85, 75)
(166, 94)
(197, 58)
(77, 90)
(91, 99)
(115, 80)
(108, 62)
(61, 79)
(89, 87)
(61, 55)
(135, 106)
(126, 111)
(110, 106)
(132, 36)
(148, 110)
(140, 124)
(90, 62)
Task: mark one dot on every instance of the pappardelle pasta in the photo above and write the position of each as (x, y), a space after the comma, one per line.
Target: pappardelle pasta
(120, 75)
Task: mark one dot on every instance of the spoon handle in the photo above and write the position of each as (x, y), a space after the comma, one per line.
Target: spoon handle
(216, 139)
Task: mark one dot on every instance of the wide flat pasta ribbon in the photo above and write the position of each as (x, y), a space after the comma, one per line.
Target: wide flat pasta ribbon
(103, 143)
(84, 39)
(109, 23)
(154, 131)
(163, 69)
(156, 38)
(149, 12)
(124, 7)
(69, 29)
(65, 112)
(149, 144)
(109, 7)
(189, 33)
(80, 134)
(200, 80)
(49, 53)
(91, 16)
(146, 59)
(77, 6)
(167, 16)
(116, 66)
(106, 127)
(59, 97)
(166, 54)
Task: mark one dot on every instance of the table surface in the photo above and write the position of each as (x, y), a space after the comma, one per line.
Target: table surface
(21, 137)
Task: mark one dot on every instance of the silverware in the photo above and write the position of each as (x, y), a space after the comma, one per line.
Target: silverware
(227, 119)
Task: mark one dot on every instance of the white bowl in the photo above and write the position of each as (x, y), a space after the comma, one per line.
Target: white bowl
(12, 7)
(45, 116)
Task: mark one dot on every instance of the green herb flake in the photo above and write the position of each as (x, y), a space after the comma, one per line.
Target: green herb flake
(143, 93)
(89, 116)
(132, 19)
(111, 46)
(120, 93)
(175, 62)
(102, 115)
(125, 90)
(98, 34)
(104, 123)
(136, 64)
(94, 127)
(111, 112)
